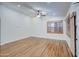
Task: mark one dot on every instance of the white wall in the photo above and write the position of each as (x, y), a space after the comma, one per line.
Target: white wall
(40, 28)
(14, 25)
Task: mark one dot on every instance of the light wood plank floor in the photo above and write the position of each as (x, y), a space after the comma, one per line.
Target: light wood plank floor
(36, 47)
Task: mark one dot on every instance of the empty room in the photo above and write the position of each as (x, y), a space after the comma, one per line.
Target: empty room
(39, 29)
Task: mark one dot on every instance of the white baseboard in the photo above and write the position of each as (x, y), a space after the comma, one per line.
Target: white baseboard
(2, 43)
(41, 36)
(49, 37)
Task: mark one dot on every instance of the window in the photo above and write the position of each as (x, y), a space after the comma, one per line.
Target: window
(55, 27)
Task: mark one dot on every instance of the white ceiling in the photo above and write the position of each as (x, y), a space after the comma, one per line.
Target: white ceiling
(52, 8)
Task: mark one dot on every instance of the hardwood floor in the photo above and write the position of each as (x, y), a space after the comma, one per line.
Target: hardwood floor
(36, 47)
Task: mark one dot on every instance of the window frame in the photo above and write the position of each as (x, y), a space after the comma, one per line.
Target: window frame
(49, 31)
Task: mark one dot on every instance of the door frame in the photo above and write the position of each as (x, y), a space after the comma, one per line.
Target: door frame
(75, 31)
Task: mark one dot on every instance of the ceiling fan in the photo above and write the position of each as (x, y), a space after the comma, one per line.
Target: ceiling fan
(40, 13)
(37, 12)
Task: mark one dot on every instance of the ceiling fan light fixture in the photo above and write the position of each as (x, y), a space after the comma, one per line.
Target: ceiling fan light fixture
(38, 16)
(44, 13)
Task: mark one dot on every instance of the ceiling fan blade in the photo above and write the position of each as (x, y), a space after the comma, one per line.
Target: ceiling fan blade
(37, 12)
(75, 2)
